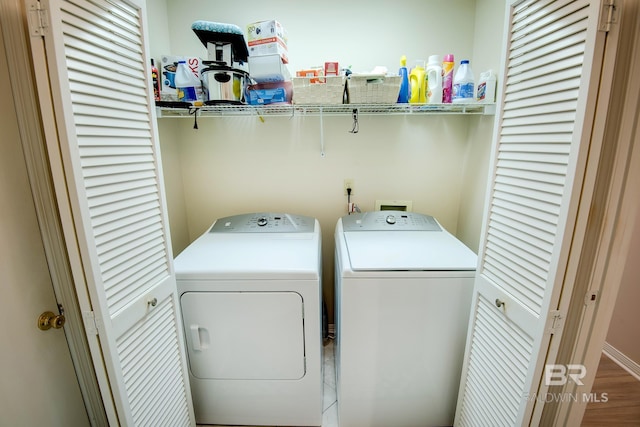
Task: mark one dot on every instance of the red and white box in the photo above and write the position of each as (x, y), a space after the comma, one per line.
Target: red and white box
(267, 38)
(331, 69)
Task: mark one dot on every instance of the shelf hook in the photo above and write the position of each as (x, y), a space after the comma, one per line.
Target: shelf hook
(194, 111)
(356, 126)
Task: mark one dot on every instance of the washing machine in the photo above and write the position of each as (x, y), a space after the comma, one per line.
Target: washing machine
(403, 292)
(250, 295)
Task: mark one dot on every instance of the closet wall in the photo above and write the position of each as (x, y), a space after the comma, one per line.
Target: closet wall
(239, 164)
(623, 334)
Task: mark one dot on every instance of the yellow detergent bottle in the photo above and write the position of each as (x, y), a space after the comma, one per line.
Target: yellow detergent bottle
(418, 83)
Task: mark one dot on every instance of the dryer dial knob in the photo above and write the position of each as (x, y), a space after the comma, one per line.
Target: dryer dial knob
(262, 221)
(391, 219)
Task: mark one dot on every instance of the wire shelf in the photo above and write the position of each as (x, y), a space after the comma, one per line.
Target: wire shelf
(339, 109)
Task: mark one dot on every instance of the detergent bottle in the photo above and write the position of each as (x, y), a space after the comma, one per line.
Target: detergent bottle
(486, 91)
(434, 80)
(186, 83)
(464, 84)
(418, 83)
(155, 78)
(447, 78)
(403, 95)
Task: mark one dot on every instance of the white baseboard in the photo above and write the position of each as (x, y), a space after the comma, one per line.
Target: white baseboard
(625, 363)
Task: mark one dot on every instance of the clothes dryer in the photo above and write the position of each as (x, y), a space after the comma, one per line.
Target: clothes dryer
(403, 291)
(250, 295)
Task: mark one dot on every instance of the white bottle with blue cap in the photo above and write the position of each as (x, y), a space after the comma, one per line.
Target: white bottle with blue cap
(186, 83)
(464, 84)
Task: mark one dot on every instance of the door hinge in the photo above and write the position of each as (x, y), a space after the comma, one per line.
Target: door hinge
(38, 18)
(90, 324)
(555, 322)
(608, 15)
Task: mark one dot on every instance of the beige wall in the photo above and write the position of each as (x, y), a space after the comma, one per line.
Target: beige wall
(238, 164)
(360, 33)
(623, 329)
(158, 21)
(488, 44)
(172, 171)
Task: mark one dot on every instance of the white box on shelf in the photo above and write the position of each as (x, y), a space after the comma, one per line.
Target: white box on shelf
(267, 38)
(268, 68)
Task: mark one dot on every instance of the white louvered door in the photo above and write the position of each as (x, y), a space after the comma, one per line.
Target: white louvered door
(552, 62)
(107, 142)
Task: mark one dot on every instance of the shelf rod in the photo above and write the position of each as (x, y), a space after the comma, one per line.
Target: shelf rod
(321, 134)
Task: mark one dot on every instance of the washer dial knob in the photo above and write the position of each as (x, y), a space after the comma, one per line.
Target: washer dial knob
(262, 221)
(391, 219)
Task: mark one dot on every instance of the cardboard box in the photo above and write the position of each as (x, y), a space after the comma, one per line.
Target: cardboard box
(267, 38)
(265, 30)
(167, 73)
(315, 74)
(268, 68)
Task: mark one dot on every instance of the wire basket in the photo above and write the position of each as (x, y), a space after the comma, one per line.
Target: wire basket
(330, 92)
(373, 89)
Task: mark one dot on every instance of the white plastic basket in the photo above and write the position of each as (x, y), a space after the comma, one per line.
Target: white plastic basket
(329, 92)
(373, 89)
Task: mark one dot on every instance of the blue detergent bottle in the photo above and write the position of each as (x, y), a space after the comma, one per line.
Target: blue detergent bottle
(403, 95)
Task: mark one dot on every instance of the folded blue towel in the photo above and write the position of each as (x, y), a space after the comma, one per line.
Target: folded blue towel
(216, 27)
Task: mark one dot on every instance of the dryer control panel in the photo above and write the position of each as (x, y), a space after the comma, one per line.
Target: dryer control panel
(264, 223)
(389, 220)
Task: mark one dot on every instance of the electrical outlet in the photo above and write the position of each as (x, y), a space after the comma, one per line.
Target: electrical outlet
(348, 183)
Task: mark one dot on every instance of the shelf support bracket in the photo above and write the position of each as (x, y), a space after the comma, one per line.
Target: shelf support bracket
(322, 154)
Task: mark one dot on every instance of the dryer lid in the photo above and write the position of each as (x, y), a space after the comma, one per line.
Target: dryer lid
(246, 250)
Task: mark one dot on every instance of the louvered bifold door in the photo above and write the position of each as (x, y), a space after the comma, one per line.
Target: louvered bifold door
(105, 120)
(552, 59)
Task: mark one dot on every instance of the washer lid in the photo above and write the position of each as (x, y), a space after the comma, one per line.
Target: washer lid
(416, 250)
(406, 241)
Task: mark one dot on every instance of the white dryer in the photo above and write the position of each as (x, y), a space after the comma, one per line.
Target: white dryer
(403, 292)
(250, 295)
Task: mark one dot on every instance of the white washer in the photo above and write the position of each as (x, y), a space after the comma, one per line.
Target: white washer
(250, 294)
(403, 292)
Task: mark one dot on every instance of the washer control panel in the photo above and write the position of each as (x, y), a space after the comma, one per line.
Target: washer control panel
(389, 220)
(264, 223)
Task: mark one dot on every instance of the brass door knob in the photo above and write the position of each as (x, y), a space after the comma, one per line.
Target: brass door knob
(48, 320)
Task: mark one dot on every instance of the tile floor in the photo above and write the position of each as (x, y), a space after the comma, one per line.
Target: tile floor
(329, 400)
